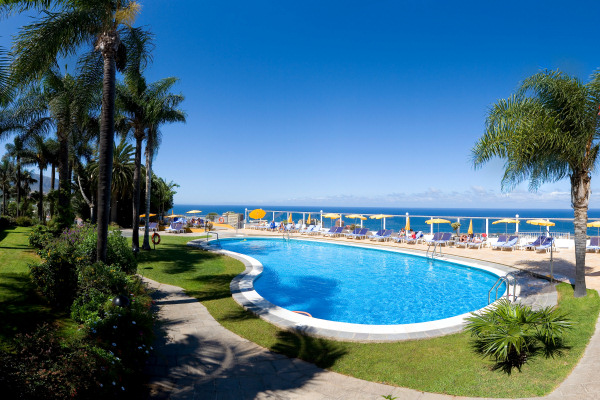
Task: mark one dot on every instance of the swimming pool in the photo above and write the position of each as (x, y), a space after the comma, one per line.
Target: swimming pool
(360, 285)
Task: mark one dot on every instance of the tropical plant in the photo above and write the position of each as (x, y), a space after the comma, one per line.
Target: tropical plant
(62, 30)
(161, 108)
(40, 152)
(511, 333)
(17, 150)
(546, 132)
(6, 174)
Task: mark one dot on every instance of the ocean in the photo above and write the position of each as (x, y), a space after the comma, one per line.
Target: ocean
(563, 218)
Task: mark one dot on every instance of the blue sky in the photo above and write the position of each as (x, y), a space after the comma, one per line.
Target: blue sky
(352, 103)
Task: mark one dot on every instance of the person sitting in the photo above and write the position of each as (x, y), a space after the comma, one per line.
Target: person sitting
(463, 238)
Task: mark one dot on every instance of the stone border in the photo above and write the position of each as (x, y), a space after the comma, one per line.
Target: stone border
(242, 289)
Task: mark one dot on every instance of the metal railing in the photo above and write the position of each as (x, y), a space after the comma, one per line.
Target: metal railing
(504, 279)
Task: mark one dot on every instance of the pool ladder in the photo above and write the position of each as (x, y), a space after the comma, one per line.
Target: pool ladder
(437, 250)
(504, 279)
(218, 240)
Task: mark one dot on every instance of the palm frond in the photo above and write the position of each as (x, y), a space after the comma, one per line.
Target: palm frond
(127, 15)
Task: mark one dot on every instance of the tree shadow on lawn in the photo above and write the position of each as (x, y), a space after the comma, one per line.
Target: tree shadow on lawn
(25, 309)
(204, 366)
(183, 258)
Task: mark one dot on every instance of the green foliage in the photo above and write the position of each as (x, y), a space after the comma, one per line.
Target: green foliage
(24, 221)
(511, 333)
(40, 236)
(455, 225)
(42, 367)
(6, 221)
(118, 252)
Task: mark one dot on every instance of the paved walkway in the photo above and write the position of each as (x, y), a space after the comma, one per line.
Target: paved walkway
(200, 359)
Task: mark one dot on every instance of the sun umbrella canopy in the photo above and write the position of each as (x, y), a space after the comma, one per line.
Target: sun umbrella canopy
(257, 214)
(506, 221)
(407, 227)
(470, 231)
(356, 216)
(437, 221)
(331, 216)
(595, 224)
(541, 222)
(380, 216)
(193, 212)
(174, 216)
(144, 215)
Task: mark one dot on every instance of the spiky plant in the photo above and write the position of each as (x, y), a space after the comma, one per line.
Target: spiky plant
(511, 333)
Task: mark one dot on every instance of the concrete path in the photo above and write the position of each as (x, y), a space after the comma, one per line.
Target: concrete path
(200, 359)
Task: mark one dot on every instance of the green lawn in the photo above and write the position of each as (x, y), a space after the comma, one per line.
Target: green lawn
(21, 308)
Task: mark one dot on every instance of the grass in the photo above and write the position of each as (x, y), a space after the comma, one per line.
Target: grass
(21, 307)
(442, 365)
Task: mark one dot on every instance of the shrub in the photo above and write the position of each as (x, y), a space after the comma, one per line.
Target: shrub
(511, 333)
(40, 237)
(6, 221)
(43, 368)
(24, 221)
(118, 250)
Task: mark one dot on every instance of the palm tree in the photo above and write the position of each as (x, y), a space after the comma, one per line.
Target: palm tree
(161, 108)
(6, 173)
(122, 173)
(40, 153)
(548, 131)
(75, 23)
(17, 150)
(132, 96)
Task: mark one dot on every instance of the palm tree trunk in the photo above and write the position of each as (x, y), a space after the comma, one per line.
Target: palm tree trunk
(64, 215)
(113, 208)
(41, 199)
(52, 179)
(580, 198)
(108, 43)
(135, 236)
(149, 144)
(18, 185)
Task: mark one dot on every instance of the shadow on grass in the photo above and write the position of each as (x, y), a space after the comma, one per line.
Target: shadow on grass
(214, 365)
(214, 287)
(184, 258)
(25, 309)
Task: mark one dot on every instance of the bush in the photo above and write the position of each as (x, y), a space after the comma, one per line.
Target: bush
(40, 237)
(6, 222)
(511, 333)
(24, 221)
(42, 368)
(118, 251)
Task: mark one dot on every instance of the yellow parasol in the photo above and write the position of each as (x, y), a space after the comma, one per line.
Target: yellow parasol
(144, 215)
(356, 216)
(331, 216)
(308, 220)
(257, 214)
(407, 227)
(193, 212)
(290, 218)
(540, 222)
(506, 221)
(381, 216)
(437, 221)
(174, 216)
(470, 231)
(595, 224)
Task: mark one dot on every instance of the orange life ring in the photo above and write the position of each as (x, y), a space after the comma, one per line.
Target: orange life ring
(155, 238)
(221, 220)
(303, 313)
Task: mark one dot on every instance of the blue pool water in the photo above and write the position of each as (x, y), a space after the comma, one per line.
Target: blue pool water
(363, 286)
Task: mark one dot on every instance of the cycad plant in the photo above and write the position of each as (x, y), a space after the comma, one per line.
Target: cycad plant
(511, 333)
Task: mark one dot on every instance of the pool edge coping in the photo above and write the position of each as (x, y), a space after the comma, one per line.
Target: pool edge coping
(242, 289)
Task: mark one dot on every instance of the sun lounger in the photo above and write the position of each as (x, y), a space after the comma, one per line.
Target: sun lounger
(316, 230)
(362, 234)
(464, 243)
(307, 229)
(511, 243)
(418, 236)
(335, 231)
(351, 234)
(436, 236)
(536, 243)
(377, 234)
(501, 240)
(547, 245)
(444, 239)
(594, 244)
(385, 235)
(476, 243)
